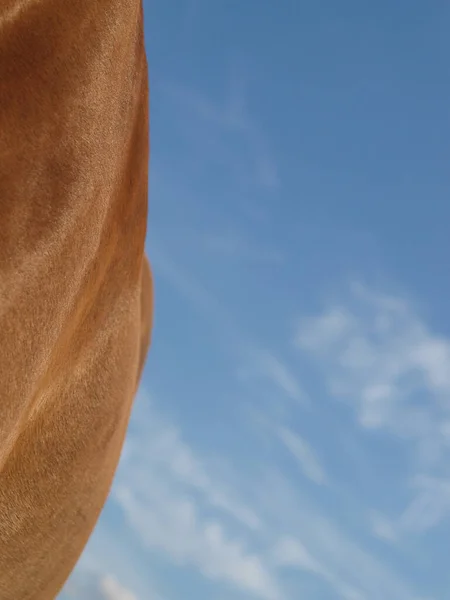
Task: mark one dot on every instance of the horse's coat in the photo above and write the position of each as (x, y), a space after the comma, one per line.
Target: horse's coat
(75, 288)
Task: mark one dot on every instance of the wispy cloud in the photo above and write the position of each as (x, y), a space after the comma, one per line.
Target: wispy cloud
(112, 590)
(382, 528)
(273, 369)
(378, 355)
(320, 545)
(170, 500)
(177, 529)
(166, 452)
(303, 454)
(177, 509)
(291, 553)
(87, 585)
(370, 350)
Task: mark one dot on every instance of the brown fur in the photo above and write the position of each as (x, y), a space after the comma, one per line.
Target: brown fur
(75, 288)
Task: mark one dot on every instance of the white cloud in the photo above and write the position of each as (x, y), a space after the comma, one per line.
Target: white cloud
(379, 356)
(87, 584)
(382, 358)
(382, 527)
(322, 333)
(166, 492)
(349, 593)
(428, 507)
(158, 487)
(158, 447)
(289, 552)
(269, 367)
(304, 455)
(175, 527)
(112, 590)
(326, 549)
(378, 353)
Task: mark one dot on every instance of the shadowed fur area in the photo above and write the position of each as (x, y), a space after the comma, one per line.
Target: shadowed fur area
(75, 287)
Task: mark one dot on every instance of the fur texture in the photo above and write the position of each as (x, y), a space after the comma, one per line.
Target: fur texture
(75, 287)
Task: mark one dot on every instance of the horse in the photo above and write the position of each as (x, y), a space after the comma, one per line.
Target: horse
(76, 291)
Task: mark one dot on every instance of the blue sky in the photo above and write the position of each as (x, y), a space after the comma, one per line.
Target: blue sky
(291, 437)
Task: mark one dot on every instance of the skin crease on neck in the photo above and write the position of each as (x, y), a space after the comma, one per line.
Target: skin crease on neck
(76, 297)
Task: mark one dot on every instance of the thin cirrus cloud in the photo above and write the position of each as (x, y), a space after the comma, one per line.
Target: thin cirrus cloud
(363, 348)
(378, 355)
(165, 490)
(311, 540)
(304, 455)
(291, 553)
(113, 590)
(165, 493)
(159, 445)
(92, 586)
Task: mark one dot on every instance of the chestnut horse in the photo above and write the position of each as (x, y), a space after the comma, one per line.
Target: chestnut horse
(75, 286)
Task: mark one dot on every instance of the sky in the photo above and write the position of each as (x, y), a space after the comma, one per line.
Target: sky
(291, 436)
